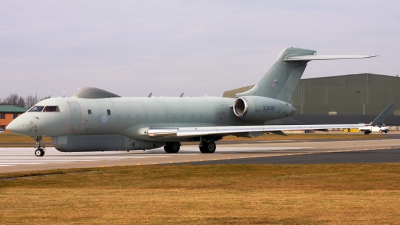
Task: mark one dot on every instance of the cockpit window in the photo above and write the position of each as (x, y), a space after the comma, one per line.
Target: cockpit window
(51, 109)
(36, 109)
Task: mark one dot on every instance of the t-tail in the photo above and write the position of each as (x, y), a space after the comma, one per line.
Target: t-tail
(282, 79)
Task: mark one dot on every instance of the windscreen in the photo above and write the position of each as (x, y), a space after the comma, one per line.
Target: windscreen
(36, 108)
(51, 109)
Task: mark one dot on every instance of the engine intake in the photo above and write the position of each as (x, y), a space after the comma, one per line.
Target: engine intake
(261, 109)
(240, 107)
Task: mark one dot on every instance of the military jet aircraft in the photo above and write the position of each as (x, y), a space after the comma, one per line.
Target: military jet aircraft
(97, 120)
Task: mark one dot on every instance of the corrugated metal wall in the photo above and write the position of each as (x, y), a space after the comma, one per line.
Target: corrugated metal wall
(358, 94)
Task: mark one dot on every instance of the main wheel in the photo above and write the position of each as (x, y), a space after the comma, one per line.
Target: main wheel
(208, 147)
(39, 152)
(172, 147)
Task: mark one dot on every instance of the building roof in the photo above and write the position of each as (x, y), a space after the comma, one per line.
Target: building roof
(11, 109)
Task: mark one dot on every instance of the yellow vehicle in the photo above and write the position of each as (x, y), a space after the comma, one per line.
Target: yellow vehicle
(351, 130)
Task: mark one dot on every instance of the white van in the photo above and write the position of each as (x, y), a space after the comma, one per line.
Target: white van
(378, 128)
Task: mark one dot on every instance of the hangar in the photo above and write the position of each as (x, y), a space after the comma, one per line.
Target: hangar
(353, 98)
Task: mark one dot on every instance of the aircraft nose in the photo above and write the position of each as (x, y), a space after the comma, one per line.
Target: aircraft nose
(15, 127)
(12, 127)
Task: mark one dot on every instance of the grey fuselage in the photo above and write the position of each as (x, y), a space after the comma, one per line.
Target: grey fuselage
(132, 117)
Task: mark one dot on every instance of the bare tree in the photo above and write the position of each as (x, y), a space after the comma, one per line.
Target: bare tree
(15, 99)
(12, 99)
(21, 102)
(31, 101)
(44, 98)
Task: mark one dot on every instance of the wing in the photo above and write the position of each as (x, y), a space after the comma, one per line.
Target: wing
(238, 130)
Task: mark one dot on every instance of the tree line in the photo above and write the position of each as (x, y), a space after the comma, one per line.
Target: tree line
(16, 100)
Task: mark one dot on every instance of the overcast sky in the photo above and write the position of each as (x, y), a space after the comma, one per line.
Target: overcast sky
(203, 47)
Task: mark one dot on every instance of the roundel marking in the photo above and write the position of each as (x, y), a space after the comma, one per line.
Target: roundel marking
(104, 119)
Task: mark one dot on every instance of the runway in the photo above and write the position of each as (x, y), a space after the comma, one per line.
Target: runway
(264, 152)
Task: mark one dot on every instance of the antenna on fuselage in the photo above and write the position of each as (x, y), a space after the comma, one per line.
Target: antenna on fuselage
(151, 93)
(182, 94)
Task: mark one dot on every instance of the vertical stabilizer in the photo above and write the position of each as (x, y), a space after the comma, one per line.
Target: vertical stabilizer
(282, 79)
(379, 120)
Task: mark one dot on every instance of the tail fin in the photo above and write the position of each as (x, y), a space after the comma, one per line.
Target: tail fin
(379, 120)
(282, 79)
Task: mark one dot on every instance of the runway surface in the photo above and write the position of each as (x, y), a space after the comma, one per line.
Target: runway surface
(264, 152)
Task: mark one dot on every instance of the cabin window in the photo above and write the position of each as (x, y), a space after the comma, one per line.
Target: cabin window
(51, 109)
(89, 112)
(108, 112)
(36, 109)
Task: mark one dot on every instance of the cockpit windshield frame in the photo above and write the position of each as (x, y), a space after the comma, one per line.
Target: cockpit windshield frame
(36, 108)
(50, 108)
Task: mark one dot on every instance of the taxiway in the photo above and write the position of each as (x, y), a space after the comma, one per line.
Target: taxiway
(266, 152)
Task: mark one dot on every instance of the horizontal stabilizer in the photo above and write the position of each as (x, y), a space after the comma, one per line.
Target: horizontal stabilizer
(326, 57)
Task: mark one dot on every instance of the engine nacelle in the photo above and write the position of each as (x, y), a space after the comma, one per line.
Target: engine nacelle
(261, 109)
(87, 143)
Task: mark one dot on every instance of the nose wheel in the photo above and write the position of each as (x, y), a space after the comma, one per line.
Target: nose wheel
(39, 146)
(39, 152)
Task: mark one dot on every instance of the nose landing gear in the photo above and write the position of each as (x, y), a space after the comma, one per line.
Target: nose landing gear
(39, 152)
(39, 146)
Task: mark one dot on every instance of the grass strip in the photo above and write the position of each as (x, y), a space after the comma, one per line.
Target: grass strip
(216, 194)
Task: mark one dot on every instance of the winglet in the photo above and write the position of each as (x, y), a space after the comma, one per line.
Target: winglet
(379, 120)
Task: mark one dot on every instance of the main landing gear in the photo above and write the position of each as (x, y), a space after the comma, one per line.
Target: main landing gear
(39, 146)
(172, 147)
(206, 146)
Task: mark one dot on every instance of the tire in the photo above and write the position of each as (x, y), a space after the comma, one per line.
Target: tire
(380, 131)
(208, 147)
(172, 147)
(386, 131)
(39, 152)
